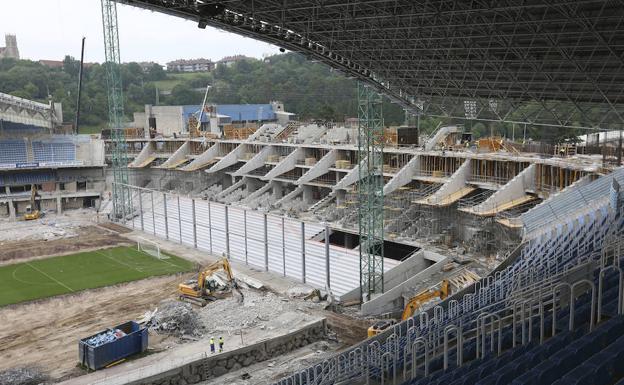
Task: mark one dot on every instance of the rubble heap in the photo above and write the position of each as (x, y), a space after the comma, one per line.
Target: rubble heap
(22, 376)
(176, 318)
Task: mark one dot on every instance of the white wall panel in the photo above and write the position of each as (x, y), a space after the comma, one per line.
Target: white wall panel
(148, 223)
(344, 273)
(294, 259)
(276, 250)
(173, 221)
(217, 217)
(186, 212)
(202, 215)
(283, 235)
(203, 238)
(236, 222)
(161, 230)
(255, 239)
(313, 229)
(315, 263)
(202, 212)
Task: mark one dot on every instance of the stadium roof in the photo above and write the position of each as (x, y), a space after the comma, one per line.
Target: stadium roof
(554, 62)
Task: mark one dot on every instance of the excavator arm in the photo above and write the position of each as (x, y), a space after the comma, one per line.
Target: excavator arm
(417, 301)
(200, 294)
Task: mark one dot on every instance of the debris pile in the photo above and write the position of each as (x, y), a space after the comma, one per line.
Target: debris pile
(176, 318)
(257, 309)
(109, 335)
(23, 376)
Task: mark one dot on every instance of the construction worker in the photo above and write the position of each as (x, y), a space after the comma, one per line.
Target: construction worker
(212, 345)
(220, 344)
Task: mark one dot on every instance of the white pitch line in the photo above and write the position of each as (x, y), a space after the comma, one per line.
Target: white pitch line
(52, 278)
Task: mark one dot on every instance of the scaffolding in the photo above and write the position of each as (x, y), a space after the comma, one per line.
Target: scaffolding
(122, 203)
(370, 191)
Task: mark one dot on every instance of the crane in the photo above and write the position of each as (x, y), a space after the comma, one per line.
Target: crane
(122, 203)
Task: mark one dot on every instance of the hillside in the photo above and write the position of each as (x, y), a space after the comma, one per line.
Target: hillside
(309, 89)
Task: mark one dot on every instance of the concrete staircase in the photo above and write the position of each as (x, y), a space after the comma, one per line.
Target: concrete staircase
(290, 129)
(322, 203)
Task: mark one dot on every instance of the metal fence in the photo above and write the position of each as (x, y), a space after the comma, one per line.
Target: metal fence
(285, 246)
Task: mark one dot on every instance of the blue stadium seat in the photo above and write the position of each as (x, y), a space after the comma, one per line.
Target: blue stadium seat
(13, 151)
(54, 151)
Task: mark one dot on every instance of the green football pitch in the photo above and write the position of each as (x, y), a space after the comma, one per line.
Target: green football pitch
(71, 273)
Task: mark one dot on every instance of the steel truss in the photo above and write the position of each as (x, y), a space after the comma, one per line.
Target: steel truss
(122, 202)
(370, 191)
(437, 56)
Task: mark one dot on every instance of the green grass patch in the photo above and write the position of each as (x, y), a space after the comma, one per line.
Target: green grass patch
(75, 272)
(175, 79)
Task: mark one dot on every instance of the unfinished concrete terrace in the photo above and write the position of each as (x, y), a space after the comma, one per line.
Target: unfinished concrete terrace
(452, 206)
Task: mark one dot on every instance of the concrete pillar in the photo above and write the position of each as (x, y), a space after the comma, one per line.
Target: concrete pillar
(277, 190)
(327, 264)
(59, 205)
(303, 253)
(340, 197)
(307, 194)
(227, 181)
(11, 208)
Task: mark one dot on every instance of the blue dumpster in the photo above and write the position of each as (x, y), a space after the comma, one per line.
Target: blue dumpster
(111, 345)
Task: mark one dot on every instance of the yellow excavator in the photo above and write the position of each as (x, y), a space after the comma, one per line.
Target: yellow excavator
(33, 210)
(206, 288)
(412, 305)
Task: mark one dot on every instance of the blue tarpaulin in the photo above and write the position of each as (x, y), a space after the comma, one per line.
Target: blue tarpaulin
(237, 112)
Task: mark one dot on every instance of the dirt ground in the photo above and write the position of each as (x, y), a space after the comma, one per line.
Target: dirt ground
(85, 238)
(47, 332)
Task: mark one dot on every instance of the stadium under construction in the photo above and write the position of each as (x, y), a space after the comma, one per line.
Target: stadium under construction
(362, 254)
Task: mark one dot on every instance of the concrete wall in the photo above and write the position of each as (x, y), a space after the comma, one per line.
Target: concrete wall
(90, 151)
(169, 119)
(394, 277)
(218, 365)
(392, 300)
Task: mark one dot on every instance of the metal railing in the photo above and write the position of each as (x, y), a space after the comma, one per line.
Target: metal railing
(536, 275)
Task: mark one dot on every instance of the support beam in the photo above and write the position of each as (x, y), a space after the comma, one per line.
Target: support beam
(178, 157)
(233, 187)
(145, 157)
(320, 168)
(510, 195)
(289, 163)
(256, 162)
(229, 159)
(257, 193)
(204, 159)
(454, 189)
(290, 196)
(351, 177)
(403, 177)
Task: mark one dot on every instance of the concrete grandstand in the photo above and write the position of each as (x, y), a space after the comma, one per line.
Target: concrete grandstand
(68, 170)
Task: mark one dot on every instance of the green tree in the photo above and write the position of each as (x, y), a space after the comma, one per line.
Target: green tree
(156, 72)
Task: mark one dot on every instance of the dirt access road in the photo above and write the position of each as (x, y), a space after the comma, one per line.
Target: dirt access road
(46, 333)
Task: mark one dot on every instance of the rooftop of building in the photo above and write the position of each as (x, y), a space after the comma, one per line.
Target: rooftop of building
(190, 61)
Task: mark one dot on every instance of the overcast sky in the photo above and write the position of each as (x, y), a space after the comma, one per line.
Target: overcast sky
(51, 29)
